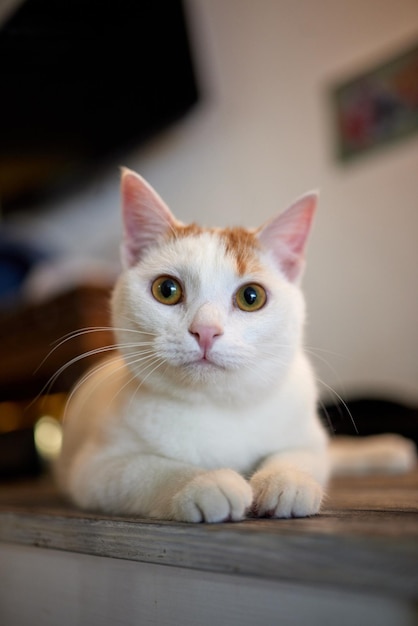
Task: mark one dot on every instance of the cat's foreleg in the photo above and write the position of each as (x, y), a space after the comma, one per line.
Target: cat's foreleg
(157, 487)
(290, 484)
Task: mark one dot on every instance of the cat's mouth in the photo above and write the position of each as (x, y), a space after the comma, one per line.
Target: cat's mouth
(201, 362)
(205, 362)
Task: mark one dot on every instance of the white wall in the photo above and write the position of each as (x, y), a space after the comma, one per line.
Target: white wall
(261, 139)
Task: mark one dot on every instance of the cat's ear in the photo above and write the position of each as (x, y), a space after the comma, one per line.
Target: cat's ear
(287, 234)
(145, 216)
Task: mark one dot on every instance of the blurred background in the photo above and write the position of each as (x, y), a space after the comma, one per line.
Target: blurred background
(231, 110)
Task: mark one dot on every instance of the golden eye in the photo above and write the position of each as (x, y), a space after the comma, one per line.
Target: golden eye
(250, 297)
(167, 290)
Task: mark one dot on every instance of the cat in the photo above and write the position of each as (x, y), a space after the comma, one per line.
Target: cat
(208, 411)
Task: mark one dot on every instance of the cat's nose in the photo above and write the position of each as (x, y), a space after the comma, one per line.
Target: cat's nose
(205, 334)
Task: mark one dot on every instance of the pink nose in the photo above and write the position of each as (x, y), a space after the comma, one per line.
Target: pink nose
(205, 334)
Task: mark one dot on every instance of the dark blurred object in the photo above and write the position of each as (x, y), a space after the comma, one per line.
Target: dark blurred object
(16, 261)
(30, 435)
(371, 416)
(82, 81)
(18, 455)
(29, 337)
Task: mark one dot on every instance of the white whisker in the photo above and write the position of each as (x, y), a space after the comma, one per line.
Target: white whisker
(84, 331)
(332, 369)
(133, 376)
(98, 368)
(71, 362)
(341, 400)
(159, 361)
(86, 376)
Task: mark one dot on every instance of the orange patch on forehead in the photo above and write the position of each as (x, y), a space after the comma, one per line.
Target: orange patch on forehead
(242, 245)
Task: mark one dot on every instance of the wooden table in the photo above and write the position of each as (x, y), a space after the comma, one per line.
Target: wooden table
(356, 563)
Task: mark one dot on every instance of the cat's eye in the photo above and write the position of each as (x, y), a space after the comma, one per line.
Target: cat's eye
(167, 290)
(250, 297)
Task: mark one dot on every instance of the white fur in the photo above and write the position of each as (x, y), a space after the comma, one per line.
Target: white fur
(157, 432)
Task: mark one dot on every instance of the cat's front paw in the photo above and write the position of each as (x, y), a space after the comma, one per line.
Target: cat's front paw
(287, 493)
(215, 496)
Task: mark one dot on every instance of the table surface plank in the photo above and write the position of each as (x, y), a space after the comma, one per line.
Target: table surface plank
(365, 539)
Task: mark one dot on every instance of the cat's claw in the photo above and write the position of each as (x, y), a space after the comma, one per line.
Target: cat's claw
(215, 496)
(285, 494)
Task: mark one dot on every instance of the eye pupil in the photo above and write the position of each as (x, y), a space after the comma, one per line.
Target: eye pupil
(168, 288)
(250, 295)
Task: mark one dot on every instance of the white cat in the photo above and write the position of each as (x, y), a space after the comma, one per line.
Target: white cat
(209, 412)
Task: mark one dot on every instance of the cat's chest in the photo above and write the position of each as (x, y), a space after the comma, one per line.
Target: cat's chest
(206, 435)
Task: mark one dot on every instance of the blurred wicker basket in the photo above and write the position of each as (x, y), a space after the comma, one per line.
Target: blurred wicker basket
(30, 349)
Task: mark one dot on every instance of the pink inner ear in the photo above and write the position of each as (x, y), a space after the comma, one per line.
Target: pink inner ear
(146, 217)
(286, 235)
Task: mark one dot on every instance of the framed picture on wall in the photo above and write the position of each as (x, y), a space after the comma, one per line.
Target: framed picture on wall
(378, 106)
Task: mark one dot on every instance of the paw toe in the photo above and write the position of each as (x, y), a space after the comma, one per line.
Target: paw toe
(286, 495)
(217, 496)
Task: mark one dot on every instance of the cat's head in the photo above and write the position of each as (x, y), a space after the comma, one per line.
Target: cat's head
(217, 310)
